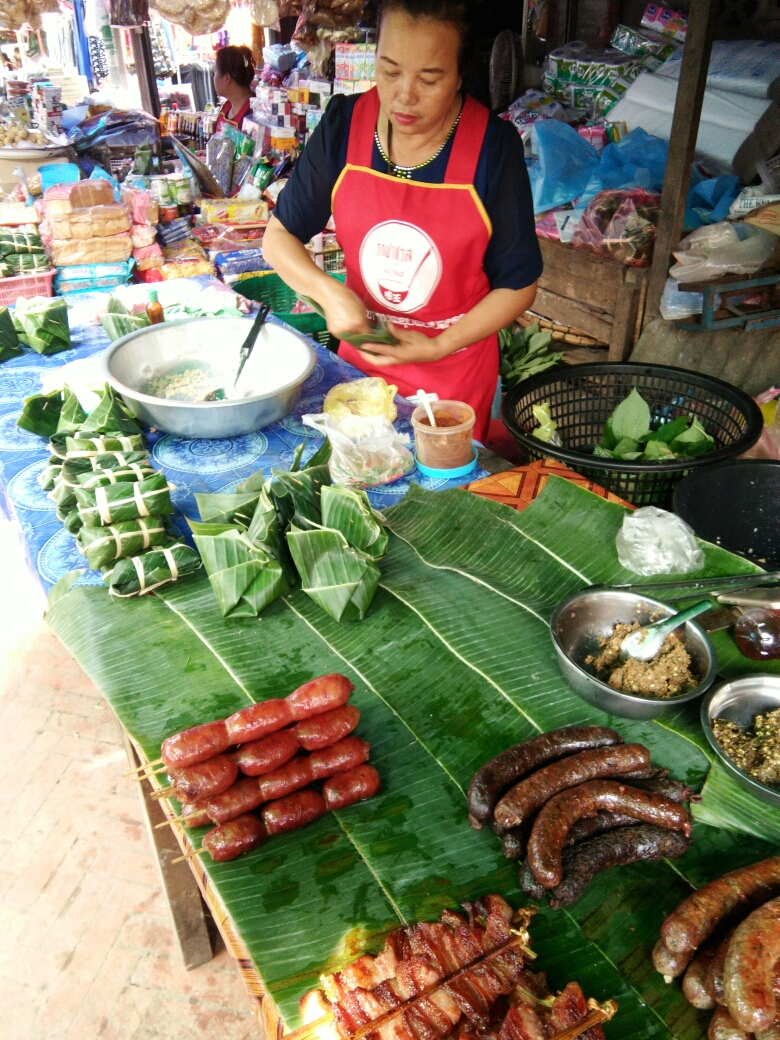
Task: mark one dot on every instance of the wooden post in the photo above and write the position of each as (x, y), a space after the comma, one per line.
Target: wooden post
(144, 70)
(685, 128)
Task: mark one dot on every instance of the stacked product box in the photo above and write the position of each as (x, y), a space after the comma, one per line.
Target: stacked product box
(355, 68)
(47, 107)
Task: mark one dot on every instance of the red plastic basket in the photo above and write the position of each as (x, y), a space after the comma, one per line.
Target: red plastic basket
(26, 285)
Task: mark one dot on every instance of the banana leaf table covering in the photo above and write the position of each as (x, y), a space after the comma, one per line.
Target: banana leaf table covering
(193, 465)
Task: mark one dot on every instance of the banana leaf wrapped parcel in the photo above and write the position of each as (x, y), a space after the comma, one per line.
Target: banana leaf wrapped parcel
(44, 323)
(74, 469)
(70, 518)
(41, 414)
(99, 507)
(140, 575)
(228, 508)
(9, 337)
(349, 511)
(245, 577)
(50, 473)
(103, 545)
(338, 578)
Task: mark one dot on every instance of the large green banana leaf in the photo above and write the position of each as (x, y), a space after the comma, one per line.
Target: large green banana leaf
(452, 663)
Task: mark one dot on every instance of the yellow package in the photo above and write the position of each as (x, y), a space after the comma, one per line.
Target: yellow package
(365, 397)
(233, 211)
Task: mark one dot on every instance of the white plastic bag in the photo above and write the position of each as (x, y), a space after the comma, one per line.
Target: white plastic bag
(652, 541)
(365, 450)
(676, 303)
(723, 248)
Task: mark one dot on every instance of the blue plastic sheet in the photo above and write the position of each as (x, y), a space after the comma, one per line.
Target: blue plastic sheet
(709, 201)
(565, 165)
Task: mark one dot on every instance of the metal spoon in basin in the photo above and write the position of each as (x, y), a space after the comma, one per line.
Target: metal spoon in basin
(244, 352)
(647, 641)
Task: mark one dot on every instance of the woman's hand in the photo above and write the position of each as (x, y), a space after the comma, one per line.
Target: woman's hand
(344, 313)
(414, 348)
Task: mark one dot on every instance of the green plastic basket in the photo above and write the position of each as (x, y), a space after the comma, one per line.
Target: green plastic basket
(269, 288)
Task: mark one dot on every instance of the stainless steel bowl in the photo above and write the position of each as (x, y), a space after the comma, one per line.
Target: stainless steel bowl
(581, 620)
(740, 700)
(280, 363)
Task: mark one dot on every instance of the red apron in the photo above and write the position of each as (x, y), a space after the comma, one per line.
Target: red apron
(413, 254)
(237, 121)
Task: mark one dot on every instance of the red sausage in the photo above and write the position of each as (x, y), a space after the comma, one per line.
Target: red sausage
(319, 695)
(713, 980)
(326, 729)
(694, 984)
(553, 823)
(338, 758)
(195, 745)
(348, 788)
(231, 839)
(749, 969)
(723, 1027)
(195, 814)
(258, 720)
(288, 814)
(206, 779)
(267, 754)
(291, 777)
(242, 797)
(697, 917)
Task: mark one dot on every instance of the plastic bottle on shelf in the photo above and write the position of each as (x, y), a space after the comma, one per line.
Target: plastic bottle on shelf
(154, 311)
(757, 634)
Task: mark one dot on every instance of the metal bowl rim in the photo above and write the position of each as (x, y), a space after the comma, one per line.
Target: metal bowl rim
(748, 782)
(630, 698)
(167, 402)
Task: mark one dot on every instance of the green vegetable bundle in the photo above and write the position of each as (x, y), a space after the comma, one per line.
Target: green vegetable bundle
(14, 264)
(44, 323)
(139, 575)
(103, 545)
(9, 338)
(99, 507)
(524, 353)
(629, 434)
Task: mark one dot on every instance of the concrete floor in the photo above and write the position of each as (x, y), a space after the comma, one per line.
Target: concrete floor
(87, 950)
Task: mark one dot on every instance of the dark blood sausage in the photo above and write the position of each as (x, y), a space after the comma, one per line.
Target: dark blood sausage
(319, 695)
(530, 794)
(258, 720)
(348, 788)
(212, 777)
(561, 812)
(232, 839)
(515, 840)
(490, 782)
(697, 917)
(529, 884)
(590, 826)
(339, 758)
(241, 798)
(288, 814)
(648, 772)
(195, 814)
(669, 964)
(749, 969)
(723, 1027)
(195, 745)
(326, 729)
(694, 985)
(713, 981)
(267, 754)
(624, 845)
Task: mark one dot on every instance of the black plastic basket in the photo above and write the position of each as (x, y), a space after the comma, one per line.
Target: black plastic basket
(582, 397)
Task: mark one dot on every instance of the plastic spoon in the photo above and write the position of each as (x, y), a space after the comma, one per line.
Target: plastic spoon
(421, 394)
(646, 643)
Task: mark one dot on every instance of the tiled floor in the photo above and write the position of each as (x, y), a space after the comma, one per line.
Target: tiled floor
(86, 948)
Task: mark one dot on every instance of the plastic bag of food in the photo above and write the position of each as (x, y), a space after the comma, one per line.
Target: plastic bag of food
(364, 397)
(724, 248)
(264, 12)
(219, 159)
(91, 222)
(112, 249)
(653, 541)
(620, 225)
(365, 450)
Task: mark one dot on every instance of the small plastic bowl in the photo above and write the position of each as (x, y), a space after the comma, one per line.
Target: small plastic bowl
(444, 448)
(449, 474)
(581, 620)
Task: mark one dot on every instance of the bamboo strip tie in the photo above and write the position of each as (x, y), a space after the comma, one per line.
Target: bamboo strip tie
(144, 765)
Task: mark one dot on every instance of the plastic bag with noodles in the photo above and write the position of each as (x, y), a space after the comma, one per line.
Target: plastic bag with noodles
(370, 452)
(369, 396)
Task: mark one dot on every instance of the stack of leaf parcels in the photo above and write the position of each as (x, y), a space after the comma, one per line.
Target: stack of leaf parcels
(629, 434)
(256, 542)
(100, 476)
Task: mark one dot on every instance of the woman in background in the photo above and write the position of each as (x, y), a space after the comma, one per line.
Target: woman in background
(234, 71)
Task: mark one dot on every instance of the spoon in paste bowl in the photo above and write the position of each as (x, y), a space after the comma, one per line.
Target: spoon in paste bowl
(646, 642)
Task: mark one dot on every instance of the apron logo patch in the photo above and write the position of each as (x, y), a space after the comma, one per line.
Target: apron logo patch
(400, 265)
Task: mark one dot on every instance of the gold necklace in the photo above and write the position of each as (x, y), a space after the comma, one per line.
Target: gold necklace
(406, 171)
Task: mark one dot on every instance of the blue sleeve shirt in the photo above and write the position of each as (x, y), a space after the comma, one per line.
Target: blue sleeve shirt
(512, 259)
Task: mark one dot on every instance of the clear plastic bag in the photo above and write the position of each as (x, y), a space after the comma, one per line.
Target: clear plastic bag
(365, 397)
(620, 225)
(724, 248)
(653, 541)
(370, 452)
(264, 12)
(219, 159)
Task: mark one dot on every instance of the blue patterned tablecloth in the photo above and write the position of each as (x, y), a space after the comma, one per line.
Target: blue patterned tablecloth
(190, 464)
